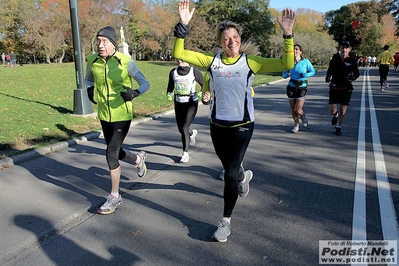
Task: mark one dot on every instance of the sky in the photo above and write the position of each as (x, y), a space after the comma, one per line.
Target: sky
(319, 5)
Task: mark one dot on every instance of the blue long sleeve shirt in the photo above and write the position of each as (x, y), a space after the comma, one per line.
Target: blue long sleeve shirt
(301, 71)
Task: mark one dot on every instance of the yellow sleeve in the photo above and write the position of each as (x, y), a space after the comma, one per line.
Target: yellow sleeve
(260, 64)
(202, 60)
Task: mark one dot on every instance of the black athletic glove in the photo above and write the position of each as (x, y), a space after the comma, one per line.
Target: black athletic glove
(328, 79)
(90, 94)
(181, 30)
(129, 94)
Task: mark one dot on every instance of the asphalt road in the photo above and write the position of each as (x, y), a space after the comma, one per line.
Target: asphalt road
(307, 187)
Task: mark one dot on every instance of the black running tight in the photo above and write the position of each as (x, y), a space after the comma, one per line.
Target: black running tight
(114, 135)
(383, 70)
(185, 113)
(230, 145)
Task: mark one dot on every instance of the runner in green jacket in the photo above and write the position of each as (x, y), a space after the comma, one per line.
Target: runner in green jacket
(109, 85)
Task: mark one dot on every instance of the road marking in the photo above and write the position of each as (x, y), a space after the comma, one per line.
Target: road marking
(387, 210)
(359, 204)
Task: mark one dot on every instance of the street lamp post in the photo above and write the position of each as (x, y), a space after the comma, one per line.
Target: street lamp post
(81, 102)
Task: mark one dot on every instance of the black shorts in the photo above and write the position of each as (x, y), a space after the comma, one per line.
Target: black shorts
(295, 93)
(339, 96)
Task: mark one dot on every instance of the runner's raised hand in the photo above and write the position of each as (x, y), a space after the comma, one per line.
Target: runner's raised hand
(184, 12)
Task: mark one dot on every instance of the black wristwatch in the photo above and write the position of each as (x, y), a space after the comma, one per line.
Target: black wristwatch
(288, 36)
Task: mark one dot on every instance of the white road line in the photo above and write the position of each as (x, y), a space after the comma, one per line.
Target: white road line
(359, 204)
(387, 210)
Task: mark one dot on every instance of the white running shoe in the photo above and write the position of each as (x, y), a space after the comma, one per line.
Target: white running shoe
(243, 186)
(223, 231)
(295, 129)
(192, 137)
(184, 157)
(110, 205)
(141, 167)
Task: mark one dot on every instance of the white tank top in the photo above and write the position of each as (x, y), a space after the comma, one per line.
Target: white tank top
(231, 90)
(184, 85)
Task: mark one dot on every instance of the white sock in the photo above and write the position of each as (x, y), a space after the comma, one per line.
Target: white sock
(115, 194)
(228, 219)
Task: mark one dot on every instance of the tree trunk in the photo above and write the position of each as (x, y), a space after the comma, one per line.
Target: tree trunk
(62, 56)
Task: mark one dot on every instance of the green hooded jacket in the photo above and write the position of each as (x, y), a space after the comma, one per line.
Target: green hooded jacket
(109, 78)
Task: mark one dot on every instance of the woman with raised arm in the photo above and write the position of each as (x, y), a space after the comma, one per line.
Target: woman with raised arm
(231, 116)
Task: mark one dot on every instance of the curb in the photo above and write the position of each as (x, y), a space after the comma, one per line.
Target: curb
(25, 156)
(17, 159)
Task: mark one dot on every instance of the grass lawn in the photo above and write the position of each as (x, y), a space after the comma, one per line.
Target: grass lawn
(37, 103)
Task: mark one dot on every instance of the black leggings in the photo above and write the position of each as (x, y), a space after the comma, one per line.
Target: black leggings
(185, 113)
(114, 135)
(383, 69)
(230, 145)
